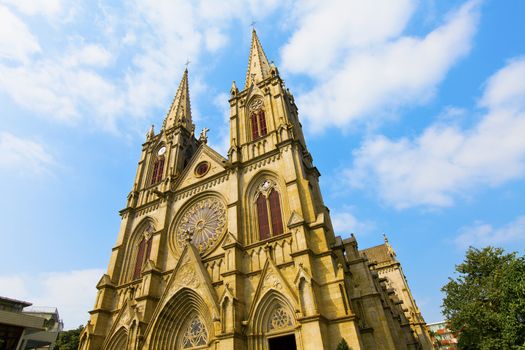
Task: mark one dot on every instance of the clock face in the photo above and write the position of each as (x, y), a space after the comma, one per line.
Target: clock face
(204, 222)
(161, 151)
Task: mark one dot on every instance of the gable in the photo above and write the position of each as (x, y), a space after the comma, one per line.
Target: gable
(189, 274)
(203, 155)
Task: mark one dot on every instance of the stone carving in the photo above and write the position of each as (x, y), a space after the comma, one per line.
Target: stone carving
(205, 221)
(272, 281)
(256, 105)
(266, 186)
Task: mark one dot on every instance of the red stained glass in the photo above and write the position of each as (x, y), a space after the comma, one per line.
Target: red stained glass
(262, 123)
(158, 169)
(275, 212)
(202, 168)
(139, 259)
(255, 128)
(262, 216)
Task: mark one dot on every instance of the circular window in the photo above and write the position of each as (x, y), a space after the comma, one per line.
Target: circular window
(202, 168)
(204, 221)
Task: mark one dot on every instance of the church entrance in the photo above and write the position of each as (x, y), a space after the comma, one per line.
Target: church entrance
(286, 342)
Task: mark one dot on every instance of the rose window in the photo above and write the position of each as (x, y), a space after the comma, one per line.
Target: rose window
(280, 318)
(204, 222)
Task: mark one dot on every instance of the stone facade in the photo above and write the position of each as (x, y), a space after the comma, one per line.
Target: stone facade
(239, 252)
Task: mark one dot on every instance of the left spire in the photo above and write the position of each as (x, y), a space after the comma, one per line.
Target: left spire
(180, 110)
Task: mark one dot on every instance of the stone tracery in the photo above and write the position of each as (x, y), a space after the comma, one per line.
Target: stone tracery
(280, 318)
(196, 334)
(204, 222)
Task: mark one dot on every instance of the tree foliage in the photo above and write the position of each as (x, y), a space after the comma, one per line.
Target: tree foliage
(68, 340)
(485, 304)
(343, 345)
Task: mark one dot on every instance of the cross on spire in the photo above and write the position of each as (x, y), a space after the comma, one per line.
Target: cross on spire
(187, 63)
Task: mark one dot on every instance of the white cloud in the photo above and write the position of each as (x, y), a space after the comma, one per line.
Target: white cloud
(150, 40)
(31, 7)
(328, 29)
(446, 161)
(13, 287)
(16, 41)
(482, 234)
(345, 223)
(21, 156)
(91, 55)
(72, 292)
(364, 68)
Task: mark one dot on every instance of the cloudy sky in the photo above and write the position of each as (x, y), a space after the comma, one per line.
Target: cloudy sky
(414, 112)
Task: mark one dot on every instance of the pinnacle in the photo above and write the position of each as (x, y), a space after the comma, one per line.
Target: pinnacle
(258, 66)
(180, 110)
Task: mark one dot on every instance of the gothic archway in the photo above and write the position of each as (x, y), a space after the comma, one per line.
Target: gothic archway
(274, 316)
(119, 340)
(184, 323)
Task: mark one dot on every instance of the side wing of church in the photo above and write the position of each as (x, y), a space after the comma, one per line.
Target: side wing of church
(239, 252)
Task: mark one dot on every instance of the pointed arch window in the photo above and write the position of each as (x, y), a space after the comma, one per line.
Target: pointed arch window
(257, 119)
(143, 253)
(158, 166)
(269, 215)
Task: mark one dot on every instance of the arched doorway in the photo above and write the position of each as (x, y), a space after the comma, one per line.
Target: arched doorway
(274, 324)
(183, 323)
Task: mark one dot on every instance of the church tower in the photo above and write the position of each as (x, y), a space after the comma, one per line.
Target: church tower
(238, 252)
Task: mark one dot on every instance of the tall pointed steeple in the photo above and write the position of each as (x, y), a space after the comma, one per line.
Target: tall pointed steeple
(258, 66)
(180, 110)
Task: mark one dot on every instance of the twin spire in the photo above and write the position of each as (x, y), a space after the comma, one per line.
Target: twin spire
(258, 66)
(180, 110)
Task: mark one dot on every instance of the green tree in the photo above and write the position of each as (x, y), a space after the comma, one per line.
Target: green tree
(485, 304)
(343, 345)
(68, 340)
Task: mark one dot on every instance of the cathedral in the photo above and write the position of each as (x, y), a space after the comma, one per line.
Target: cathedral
(239, 252)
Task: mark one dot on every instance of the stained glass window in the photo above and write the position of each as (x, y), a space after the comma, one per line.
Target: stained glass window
(275, 212)
(158, 169)
(269, 216)
(262, 215)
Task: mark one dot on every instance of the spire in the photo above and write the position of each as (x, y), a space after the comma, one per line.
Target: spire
(258, 66)
(180, 110)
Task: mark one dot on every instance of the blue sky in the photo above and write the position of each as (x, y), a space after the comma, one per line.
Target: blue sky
(414, 112)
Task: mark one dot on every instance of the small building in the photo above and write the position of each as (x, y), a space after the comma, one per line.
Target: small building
(442, 337)
(23, 327)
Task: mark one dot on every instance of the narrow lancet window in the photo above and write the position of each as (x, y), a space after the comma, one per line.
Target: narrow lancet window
(262, 216)
(257, 120)
(269, 215)
(158, 169)
(275, 213)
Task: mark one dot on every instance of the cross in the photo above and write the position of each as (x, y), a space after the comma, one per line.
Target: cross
(203, 136)
(253, 25)
(187, 63)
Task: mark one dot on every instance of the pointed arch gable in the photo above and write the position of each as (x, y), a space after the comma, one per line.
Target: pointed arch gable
(173, 321)
(189, 274)
(273, 302)
(118, 340)
(272, 280)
